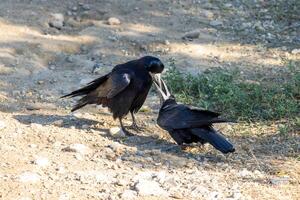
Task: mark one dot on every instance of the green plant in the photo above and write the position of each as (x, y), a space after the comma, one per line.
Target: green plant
(228, 92)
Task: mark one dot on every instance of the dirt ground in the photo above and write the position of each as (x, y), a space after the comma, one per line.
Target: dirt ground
(46, 152)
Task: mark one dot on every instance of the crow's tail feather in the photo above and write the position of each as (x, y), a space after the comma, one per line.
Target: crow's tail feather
(87, 89)
(215, 139)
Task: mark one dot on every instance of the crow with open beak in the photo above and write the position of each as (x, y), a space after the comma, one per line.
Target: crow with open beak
(188, 124)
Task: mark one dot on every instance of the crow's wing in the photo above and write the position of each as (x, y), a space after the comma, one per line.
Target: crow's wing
(118, 83)
(202, 111)
(182, 117)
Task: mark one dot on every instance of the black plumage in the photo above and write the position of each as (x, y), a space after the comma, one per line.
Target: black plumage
(188, 124)
(123, 90)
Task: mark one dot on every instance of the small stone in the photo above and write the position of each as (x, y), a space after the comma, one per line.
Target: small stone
(70, 59)
(69, 13)
(117, 132)
(167, 42)
(74, 8)
(86, 7)
(52, 67)
(59, 122)
(129, 194)
(41, 161)
(113, 21)
(85, 126)
(227, 5)
(2, 124)
(150, 188)
(208, 14)
(191, 35)
(259, 27)
(216, 23)
(244, 173)
(161, 177)
(117, 148)
(296, 51)
(72, 22)
(29, 177)
(96, 68)
(177, 195)
(16, 93)
(78, 148)
(57, 20)
(36, 126)
(280, 180)
(246, 25)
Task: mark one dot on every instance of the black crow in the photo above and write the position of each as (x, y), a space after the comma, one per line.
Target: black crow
(188, 124)
(123, 90)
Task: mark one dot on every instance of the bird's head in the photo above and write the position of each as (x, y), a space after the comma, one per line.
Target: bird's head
(152, 64)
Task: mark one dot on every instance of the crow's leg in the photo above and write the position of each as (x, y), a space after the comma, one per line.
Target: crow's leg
(123, 128)
(134, 125)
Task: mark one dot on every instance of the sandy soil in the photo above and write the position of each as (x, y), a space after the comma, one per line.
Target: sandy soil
(39, 63)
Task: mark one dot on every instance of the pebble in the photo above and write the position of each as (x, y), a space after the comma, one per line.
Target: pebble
(280, 180)
(78, 148)
(216, 23)
(150, 188)
(296, 51)
(167, 42)
(85, 126)
(86, 7)
(258, 26)
(245, 173)
(57, 20)
(70, 59)
(96, 68)
(246, 25)
(41, 161)
(94, 177)
(208, 14)
(74, 8)
(59, 122)
(117, 132)
(113, 21)
(2, 125)
(191, 35)
(129, 194)
(52, 67)
(161, 177)
(29, 177)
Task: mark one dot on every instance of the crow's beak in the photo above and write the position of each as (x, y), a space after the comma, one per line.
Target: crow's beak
(156, 79)
(159, 86)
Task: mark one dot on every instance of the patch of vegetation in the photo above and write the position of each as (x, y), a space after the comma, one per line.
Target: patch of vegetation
(227, 92)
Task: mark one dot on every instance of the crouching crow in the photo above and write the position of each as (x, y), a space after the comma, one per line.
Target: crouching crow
(188, 124)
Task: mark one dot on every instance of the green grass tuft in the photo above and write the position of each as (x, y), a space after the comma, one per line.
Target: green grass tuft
(226, 91)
